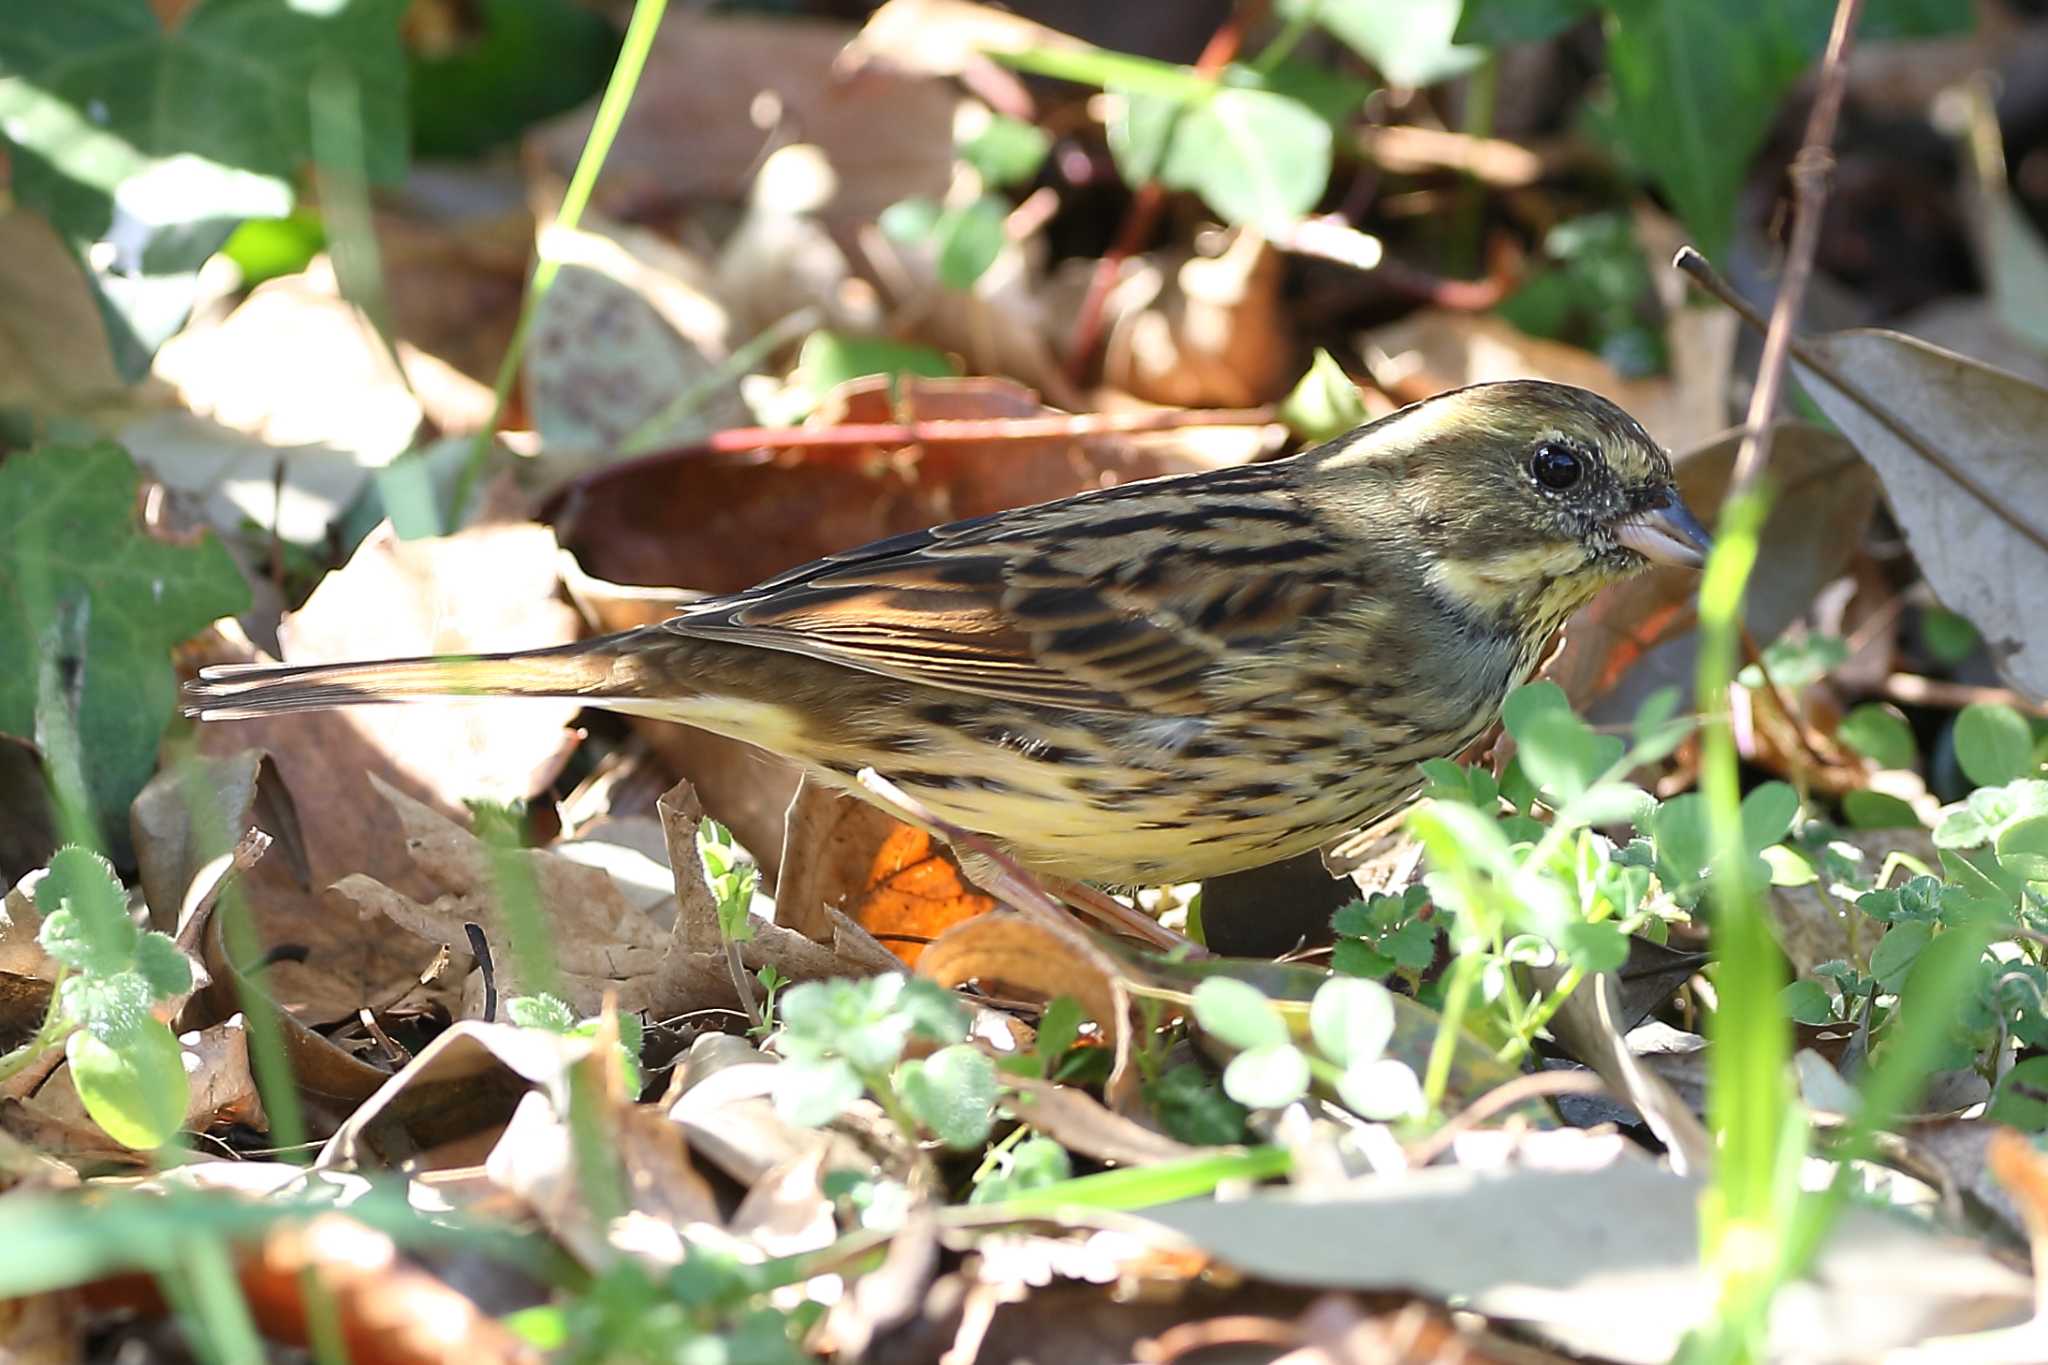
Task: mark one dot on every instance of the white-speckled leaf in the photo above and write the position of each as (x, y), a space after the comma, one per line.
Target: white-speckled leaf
(1989, 423)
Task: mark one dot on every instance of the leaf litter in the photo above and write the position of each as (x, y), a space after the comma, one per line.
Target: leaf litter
(657, 461)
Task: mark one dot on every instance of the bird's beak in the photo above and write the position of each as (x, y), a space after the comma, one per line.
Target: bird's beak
(1666, 533)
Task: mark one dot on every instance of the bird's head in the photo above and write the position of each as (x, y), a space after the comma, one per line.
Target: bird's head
(1519, 498)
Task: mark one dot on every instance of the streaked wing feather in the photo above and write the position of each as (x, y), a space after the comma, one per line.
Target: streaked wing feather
(1121, 600)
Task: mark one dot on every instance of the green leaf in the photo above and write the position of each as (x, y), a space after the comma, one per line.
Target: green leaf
(1255, 158)
(87, 593)
(158, 962)
(159, 140)
(1560, 752)
(522, 61)
(1005, 150)
(969, 239)
(952, 1092)
(1879, 732)
(1352, 1020)
(1410, 43)
(548, 1013)
(1496, 23)
(1895, 952)
(1381, 1090)
(86, 925)
(2022, 1096)
(1696, 88)
(1808, 1002)
(1789, 867)
(1238, 1014)
(1658, 729)
(810, 1094)
(135, 1091)
(1058, 1029)
(829, 359)
(1994, 744)
(1192, 1107)
(1598, 947)
(1267, 1077)
(1949, 637)
(1797, 661)
(1031, 1165)
(1325, 403)
(2023, 848)
(1767, 815)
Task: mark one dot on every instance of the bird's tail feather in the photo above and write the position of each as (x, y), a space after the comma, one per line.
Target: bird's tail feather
(588, 669)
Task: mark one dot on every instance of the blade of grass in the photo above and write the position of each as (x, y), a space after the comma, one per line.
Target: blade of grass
(611, 112)
(1139, 1187)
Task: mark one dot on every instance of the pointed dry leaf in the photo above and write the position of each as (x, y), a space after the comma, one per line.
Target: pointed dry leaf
(1988, 424)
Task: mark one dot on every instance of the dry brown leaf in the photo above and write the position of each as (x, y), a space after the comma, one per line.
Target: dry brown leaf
(628, 326)
(296, 365)
(1008, 952)
(1196, 330)
(534, 1159)
(222, 1087)
(664, 962)
(44, 1329)
(999, 326)
(483, 589)
(454, 278)
(1428, 352)
(944, 37)
(389, 1310)
(1989, 425)
(692, 131)
(1081, 1123)
(54, 356)
(731, 1122)
(890, 878)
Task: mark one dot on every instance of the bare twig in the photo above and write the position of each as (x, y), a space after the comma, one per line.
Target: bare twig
(1810, 172)
(1913, 690)
(1696, 268)
(1535, 1085)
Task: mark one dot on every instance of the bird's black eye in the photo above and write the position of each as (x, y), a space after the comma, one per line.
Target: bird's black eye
(1557, 466)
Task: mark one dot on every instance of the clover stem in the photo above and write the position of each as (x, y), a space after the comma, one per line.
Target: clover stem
(1464, 971)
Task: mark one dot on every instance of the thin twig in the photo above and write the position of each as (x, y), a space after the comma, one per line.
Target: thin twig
(1810, 172)
(1911, 689)
(1697, 269)
(1520, 1090)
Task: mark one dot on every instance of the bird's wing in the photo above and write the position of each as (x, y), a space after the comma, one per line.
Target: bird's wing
(1119, 600)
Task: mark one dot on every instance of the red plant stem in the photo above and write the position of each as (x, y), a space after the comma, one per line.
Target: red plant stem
(978, 429)
(1143, 214)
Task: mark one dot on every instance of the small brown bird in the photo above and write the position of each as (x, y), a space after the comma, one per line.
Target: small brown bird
(1167, 680)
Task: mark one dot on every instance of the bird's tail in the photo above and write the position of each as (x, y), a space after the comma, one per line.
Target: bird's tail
(596, 670)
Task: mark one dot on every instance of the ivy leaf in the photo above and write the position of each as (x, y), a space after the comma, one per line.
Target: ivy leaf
(1411, 43)
(85, 591)
(157, 140)
(1255, 157)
